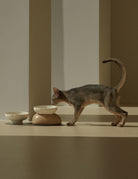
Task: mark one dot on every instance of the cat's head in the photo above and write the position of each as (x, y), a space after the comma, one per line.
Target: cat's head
(58, 96)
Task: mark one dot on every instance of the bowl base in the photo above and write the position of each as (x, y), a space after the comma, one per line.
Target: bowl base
(17, 122)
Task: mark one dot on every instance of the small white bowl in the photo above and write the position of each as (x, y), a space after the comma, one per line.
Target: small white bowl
(45, 109)
(17, 117)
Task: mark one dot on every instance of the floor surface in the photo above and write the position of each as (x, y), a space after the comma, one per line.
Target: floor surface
(92, 149)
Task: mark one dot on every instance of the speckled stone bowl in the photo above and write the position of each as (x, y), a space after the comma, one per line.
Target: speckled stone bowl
(46, 119)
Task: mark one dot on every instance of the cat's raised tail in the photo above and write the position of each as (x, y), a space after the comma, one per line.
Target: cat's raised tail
(123, 69)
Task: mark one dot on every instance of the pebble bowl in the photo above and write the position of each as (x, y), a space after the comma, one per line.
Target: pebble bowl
(46, 119)
(17, 117)
(45, 109)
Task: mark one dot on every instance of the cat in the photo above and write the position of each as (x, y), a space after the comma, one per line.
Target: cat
(106, 96)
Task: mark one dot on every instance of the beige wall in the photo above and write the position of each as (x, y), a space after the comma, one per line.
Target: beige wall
(75, 55)
(124, 45)
(25, 56)
(57, 45)
(117, 38)
(81, 42)
(15, 35)
(39, 53)
(14, 55)
(104, 41)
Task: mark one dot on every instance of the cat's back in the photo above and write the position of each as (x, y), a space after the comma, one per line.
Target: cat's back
(90, 88)
(88, 93)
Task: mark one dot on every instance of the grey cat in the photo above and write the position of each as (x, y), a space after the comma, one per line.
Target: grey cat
(100, 94)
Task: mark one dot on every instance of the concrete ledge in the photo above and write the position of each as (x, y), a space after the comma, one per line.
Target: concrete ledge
(94, 110)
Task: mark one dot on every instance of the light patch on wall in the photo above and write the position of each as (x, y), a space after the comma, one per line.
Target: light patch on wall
(14, 56)
(75, 43)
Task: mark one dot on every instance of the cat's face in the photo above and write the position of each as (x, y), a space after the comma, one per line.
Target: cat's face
(58, 96)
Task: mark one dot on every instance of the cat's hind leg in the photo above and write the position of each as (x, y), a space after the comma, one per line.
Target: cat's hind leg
(118, 112)
(77, 111)
(117, 120)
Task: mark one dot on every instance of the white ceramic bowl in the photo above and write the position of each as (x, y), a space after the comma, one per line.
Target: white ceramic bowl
(16, 117)
(45, 109)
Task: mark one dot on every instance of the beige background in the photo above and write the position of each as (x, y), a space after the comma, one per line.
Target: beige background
(39, 53)
(119, 39)
(81, 42)
(26, 49)
(57, 45)
(124, 45)
(104, 41)
(75, 43)
(14, 55)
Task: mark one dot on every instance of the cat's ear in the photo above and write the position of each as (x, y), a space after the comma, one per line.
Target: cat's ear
(56, 91)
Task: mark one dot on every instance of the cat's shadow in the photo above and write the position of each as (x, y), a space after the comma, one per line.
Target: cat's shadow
(109, 125)
(30, 124)
(105, 125)
(127, 125)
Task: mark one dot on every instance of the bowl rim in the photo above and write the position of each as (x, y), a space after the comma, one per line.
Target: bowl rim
(46, 107)
(21, 113)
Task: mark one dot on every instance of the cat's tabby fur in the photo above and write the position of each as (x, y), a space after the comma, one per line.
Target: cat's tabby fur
(100, 94)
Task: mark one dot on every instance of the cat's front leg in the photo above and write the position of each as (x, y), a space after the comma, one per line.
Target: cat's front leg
(77, 111)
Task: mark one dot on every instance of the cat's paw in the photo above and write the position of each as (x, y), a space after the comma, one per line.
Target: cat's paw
(113, 124)
(120, 125)
(70, 124)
